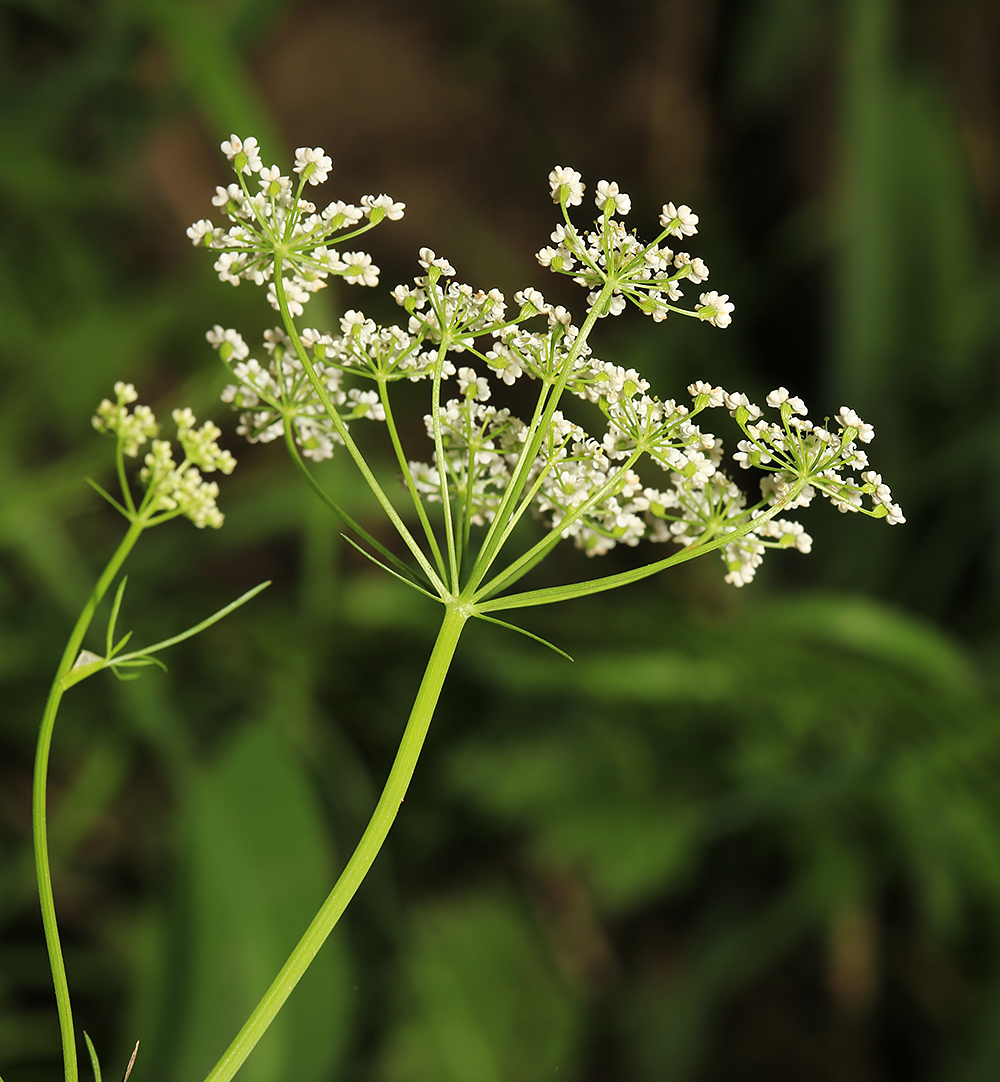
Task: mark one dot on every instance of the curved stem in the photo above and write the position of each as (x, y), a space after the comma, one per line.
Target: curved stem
(364, 855)
(39, 828)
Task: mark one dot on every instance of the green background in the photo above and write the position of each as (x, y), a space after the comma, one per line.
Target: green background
(748, 834)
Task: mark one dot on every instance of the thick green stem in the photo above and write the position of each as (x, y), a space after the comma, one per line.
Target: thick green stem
(38, 802)
(364, 855)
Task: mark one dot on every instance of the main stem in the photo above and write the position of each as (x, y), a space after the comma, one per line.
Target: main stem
(39, 827)
(364, 855)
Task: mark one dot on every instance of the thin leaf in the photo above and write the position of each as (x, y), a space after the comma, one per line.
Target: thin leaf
(524, 631)
(111, 500)
(121, 644)
(191, 631)
(93, 1056)
(138, 663)
(344, 517)
(406, 581)
(113, 619)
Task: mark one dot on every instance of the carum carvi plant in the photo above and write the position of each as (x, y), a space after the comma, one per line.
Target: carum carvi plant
(487, 471)
(170, 489)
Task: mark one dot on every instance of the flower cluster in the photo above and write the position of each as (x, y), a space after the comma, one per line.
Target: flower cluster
(797, 449)
(133, 428)
(648, 275)
(277, 218)
(581, 486)
(454, 314)
(172, 488)
(281, 391)
(477, 441)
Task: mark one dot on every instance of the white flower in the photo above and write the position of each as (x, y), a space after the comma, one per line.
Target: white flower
(272, 181)
(223, 196)
(608, 190)
(339, 214)
(781, 395)
(737, 400)
(473, 386)
(228, 342)
(201, 231)
(227, 264)
(716, 395)
(428, 259)
(295, 295)
(235, 147)
(132, 429)
(393, 211)
(360, 269)
(200, 446)
(849, 419)
(678, 221)
(716, 308)
(566, 185)
(531, 298)
(313, 163)
(697, 272)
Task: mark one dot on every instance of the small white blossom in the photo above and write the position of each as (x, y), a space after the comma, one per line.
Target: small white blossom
(608, 191)
(716, 308)
(679, 221)
(228, 342)
(374, 203)
(566, 186)
(847, 418)
(428, 258)
(234, 148)
(313, 164)
(200, 231)
(473, 386)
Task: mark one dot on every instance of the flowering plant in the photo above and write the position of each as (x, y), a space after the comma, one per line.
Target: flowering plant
(485, 468)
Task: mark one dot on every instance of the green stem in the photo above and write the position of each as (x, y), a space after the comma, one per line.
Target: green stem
(491, 543)
(364, 855)
(38, 809)
(344, 517)
(411, 487)
(439, 458)
(523, 564)
(552, 594)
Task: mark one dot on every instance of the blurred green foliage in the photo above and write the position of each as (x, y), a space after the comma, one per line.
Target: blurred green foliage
(744, 835)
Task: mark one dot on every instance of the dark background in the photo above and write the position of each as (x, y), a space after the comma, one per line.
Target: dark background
(749, 834)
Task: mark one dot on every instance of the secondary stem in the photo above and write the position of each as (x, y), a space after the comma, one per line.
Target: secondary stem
(364, 855)
(39, 828)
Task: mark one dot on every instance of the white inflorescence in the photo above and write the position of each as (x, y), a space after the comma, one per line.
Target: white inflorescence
(277, 217)
(584, 487)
